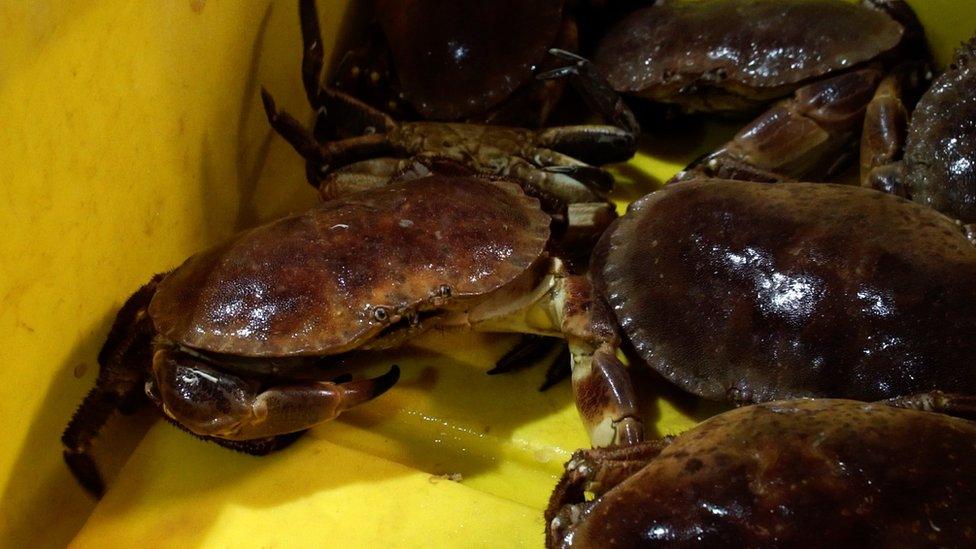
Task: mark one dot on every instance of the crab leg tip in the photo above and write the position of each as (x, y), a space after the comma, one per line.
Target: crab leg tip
(86, 472)
(269, 104)
(567, 55)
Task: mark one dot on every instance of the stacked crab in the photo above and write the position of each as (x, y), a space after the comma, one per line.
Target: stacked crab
(802, 302)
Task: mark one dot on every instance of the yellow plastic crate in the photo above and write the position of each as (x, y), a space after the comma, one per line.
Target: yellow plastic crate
(132, 136)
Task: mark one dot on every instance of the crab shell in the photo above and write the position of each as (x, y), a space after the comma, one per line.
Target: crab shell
(458, 59)
(797, 473)
(716, 55)
(330, 279)
(755, 292)
(940, 154)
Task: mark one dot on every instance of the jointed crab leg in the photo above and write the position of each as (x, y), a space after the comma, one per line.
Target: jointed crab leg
(886, 128)
(595, 90)
(561, 305)
(213, 403)
(123, 361)
(797, 138)
(597, 471)
(329, 155)
(312, 54)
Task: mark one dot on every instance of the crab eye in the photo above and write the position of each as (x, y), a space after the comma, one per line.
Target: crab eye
(381, 314)
(445, 290)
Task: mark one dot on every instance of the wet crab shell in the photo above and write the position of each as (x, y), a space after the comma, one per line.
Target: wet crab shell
(324, 281)
(754, 292)
(751, 51)
(458, 59)
(940, 153)
(798, 473)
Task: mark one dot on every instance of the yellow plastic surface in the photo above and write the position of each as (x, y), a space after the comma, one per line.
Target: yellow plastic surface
(132, 136)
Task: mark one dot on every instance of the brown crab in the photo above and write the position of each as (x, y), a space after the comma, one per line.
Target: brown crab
(827, 56)
(754, 292)
(939, 146)
(424, 44)
(235, 345)
(734, 55)
(544, 160)
(800, 473)
(931, 160)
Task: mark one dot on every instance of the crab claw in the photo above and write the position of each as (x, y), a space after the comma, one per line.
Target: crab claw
(214, 403)
(594, 89)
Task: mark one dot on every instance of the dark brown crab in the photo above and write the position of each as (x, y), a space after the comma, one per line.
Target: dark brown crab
(801, 473)
(939, 146)
(487, 51)
(931, 160)
(544, 160)
(828, 56)
(232, 345)
(754, 292)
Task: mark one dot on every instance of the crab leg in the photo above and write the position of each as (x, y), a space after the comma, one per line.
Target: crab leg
(886, 129)
(217, 404)
(595, 91)
(596, 144)
(797, 138)
(327, 156)
(605, 395)
(123, 360)
(352, 116)
(562, 305)
(312, 54)
(963, 406)
(596, 470)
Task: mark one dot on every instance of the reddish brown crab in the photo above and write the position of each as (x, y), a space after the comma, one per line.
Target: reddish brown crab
(754, 292)
(783, 474)
(235, 344)
(424, 44)
(544, 160)
(736, 56)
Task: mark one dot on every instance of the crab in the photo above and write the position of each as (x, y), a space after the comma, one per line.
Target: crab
(939, 145)
(422, 45)
(240, 344)
(931, 160)
(546, 160)
(823, 60)
(751, 292)
(806, 472)
(735, 56)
